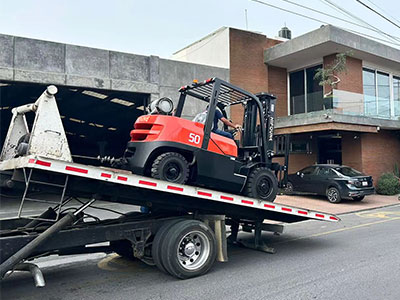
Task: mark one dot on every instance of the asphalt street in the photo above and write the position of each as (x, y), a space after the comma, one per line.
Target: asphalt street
(358, 258)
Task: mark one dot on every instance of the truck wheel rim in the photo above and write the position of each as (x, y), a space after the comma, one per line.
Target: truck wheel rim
(172, 171)
(193, 250)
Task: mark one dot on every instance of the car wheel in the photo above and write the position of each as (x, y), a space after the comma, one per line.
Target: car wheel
(358, 198)
(333, 195)
(262, 184)
(289, 188)
(172, 167)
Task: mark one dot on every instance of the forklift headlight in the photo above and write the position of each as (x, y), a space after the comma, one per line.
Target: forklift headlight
(161, 106)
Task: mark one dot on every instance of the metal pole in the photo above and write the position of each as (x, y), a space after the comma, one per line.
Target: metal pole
(28, 249)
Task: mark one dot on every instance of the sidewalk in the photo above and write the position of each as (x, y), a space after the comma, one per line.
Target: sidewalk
(320, 203)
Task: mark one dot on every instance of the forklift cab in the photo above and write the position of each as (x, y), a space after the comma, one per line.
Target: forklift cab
(256, 139)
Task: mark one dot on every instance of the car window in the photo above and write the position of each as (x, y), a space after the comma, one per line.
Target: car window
(325, 171)
(347, 171)
(308, 170)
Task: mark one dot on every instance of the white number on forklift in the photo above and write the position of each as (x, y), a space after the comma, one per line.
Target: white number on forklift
(194, 138)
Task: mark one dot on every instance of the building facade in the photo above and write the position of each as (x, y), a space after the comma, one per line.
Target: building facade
(100, 92)
(358, 125)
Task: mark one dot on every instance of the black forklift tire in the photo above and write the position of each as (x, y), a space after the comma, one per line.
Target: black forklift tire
(189, 249)
(358, 198)
(123, 248)
(172, 167)
(156, 248)
(333, 195)
(262, 184)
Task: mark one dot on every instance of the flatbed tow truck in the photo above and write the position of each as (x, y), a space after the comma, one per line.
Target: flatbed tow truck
(183, 234)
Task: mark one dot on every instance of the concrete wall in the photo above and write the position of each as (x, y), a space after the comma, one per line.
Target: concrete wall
(29, 60)
(212, 50)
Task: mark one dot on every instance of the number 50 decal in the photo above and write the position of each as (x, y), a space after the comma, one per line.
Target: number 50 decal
(194, 138)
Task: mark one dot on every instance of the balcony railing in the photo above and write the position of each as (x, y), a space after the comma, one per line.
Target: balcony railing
(349, 103)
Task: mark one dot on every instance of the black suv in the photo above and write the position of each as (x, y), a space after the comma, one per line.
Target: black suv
(334, 181)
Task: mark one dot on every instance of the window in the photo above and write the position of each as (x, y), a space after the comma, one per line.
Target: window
(396, 95)
(378, 100)
(299, 147)
(383, 87)
(297, 97)
(306, 94)
(326, 171)
(369, 87)
(308, 170)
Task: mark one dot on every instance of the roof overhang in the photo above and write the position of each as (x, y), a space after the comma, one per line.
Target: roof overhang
(328, 40)
(330, 120)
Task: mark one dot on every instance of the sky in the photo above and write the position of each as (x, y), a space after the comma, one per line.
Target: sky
(163, 27)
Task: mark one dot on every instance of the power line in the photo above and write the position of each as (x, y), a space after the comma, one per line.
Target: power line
(361, 20)
(321, 21)
(332, 16)
(378, 13)
(383, 10)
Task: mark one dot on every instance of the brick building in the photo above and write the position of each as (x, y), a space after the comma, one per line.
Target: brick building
(359, 125)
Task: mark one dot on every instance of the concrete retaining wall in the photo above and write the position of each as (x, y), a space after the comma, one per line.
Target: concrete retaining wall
(30, 60)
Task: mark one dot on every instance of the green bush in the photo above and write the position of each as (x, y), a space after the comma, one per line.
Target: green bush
(388, 184)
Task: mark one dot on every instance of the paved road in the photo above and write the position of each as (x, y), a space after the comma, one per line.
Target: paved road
(358, 258)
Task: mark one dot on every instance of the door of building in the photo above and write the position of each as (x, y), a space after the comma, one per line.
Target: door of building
(330, 149)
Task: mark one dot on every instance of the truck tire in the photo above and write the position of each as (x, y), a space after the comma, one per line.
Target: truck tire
(189, 249)
(156, 248)
(262, 184)
(333, 195)
(172, 167)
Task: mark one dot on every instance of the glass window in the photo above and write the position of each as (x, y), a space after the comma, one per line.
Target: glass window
(383, 94)
(369, 87)
(297, 98)
(347, 171)
(314, 91)
(308, 170)
(305, 98)
(396, 95)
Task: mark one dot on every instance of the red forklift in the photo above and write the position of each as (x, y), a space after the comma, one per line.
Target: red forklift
(166, 146)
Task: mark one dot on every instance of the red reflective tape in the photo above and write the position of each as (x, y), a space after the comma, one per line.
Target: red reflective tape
(227, 198)
(73, 169)
(43, 163)
(204, 194)
(31, 161)
(147, 183)
(123, 178)
(286, 209)
(333, 218)
(106, 175)
(269, 206)
(175, 188)
(247, 202)
(303, 212)
(319, 215)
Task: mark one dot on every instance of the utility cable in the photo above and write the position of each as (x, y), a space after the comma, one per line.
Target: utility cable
(321, 21)
(397, 39)
(383, 10)
(378, 13)
(329, 15)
